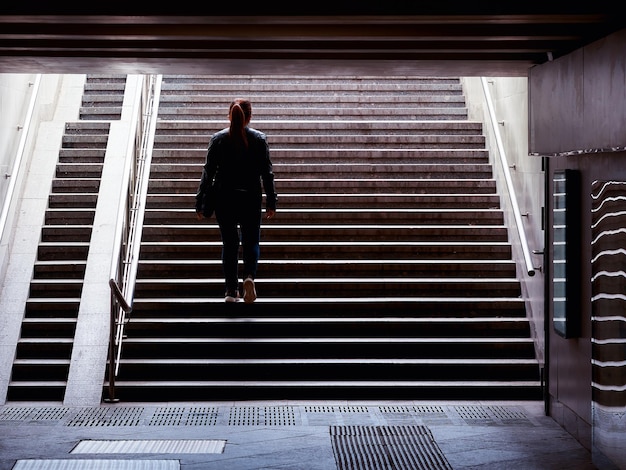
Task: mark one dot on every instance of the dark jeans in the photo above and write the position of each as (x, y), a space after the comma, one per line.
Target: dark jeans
(239, 212)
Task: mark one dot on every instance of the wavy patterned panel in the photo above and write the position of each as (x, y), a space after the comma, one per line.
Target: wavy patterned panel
(608, 267)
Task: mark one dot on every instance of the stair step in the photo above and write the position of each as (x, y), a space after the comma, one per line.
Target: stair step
(347, 201)
(44, 348)
(340, 232)
(193, 268)
(347, 170)
(50, 370)
(330, 287)
(53, 307)
(434, 111)
(72, 200)
(78, 170)
(55, 269)
(335, 250)
(206, 127)
(328, 88)
(86, 128)
(361, 215)
(322, 369)
(290, 155)
(261, 326)
(346, 185)
(66, 233)
(378, 348)
(81, 155)
(328, 390)
(75, 185)
(63, 288)
(334, 141)
(36, 391)
(57, 251)
(85, 140)
(346, 307)
(332, 89)
(67, 216)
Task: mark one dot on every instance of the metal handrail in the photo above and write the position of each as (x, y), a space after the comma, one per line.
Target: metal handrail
(509, 182)
(141, 189)
(129, 223)
(19, 155)
(119, 297)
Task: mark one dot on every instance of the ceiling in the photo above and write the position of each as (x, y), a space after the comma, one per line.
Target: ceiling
(446, 38)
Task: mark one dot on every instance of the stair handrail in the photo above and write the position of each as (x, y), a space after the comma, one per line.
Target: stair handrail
(19, 154)
(509, 181)
(130, 219)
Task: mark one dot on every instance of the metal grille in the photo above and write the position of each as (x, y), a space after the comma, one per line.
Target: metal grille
(386, 447)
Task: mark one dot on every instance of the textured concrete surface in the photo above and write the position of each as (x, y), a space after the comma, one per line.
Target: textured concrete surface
(285, 435)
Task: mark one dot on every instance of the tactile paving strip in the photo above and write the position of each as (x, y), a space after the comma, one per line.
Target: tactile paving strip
(184, 416)
(150, 446)
(45, 413)
(95, 464)
(386, 448)
(123, 416)
(276, 415)
(262, 416)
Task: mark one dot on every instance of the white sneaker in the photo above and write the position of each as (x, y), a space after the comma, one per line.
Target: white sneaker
(249, 292)
(232, 297)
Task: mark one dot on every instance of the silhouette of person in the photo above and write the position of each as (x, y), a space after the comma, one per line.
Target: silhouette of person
(237, 163)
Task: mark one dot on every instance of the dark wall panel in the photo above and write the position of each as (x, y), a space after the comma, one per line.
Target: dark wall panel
(555, 92)
(605, 92)
(577, 103)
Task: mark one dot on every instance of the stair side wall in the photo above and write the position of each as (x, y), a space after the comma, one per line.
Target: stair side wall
(91, 342)
(510, 98)
(61, 94)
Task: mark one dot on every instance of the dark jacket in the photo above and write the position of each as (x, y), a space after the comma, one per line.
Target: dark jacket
(234, 168)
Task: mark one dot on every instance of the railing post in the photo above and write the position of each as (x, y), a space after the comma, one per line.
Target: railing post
(111, 369)
(117, 303)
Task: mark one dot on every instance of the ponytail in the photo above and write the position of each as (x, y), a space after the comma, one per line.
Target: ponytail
(239, 114)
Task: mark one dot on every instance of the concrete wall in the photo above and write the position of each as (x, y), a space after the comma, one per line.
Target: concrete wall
(57, 103)
(510, 102)
(15, 95)
(15, 92)
(578, 119)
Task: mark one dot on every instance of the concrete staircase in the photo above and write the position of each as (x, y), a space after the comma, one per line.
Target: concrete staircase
(44, 349)
(386, 273)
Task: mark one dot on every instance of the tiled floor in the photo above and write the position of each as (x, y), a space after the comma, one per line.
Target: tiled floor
(285, 435)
